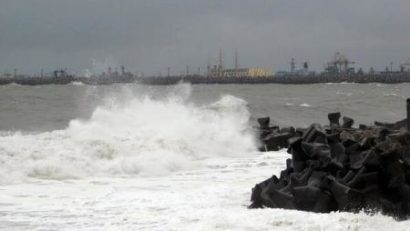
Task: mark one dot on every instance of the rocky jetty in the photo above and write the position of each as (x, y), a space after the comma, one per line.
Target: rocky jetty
(338, 168)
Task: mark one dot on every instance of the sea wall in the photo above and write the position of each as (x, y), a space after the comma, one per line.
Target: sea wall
(287, 79)
(399, 77)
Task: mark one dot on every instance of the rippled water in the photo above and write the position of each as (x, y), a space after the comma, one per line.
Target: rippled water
(51, 107)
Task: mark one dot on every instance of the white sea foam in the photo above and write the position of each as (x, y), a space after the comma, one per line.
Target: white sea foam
(140, 136)
(390, 94)
(201, 199)
(77, 83)
(167, 134)
(305, 105)
(347, 82)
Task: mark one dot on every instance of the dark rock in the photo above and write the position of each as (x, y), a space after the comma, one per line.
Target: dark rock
(348, 177)
(312, 133)
(334, 119)
(405, 195)
(305, 197)
(348, 143)
(364, 180)
(300, 178)
(345, 135)
(345, 197)
(264, 122)
(276, 199)
(371, 159)
(367, 143)
(339, 168)
(300, 132)
(356, 160)
(403, 138)
(288, 130)
(298, 155)
(314, 150)
(391, 208)
(275, 142)
(347, 122)
(338, 153)
(402, 124)
(318, 179)
(363, 126)
(257, 201)
(383, 134)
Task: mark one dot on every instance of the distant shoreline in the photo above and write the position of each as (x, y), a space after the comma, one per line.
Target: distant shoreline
(388, 78)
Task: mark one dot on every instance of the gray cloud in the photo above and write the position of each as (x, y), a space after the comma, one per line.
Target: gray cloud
(150, 35)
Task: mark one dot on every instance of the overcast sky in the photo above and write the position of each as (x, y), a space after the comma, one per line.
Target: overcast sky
(150, 35)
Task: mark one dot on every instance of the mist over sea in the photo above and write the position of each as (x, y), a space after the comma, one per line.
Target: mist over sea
(136, 157)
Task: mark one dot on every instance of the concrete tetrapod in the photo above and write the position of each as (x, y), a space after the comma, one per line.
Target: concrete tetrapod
(339, 168)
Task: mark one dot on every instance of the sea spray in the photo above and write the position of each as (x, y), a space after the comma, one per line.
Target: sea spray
(136, 135)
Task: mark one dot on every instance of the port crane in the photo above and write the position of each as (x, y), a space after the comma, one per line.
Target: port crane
(404, 65)
(340, 64)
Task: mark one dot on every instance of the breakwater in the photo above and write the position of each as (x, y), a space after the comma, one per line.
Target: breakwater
(339, 168)
(396, 77)
(287, 79)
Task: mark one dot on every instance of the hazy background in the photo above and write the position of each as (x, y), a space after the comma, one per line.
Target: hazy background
(150, 35)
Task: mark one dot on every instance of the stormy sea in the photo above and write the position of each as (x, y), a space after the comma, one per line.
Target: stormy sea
(137, 157)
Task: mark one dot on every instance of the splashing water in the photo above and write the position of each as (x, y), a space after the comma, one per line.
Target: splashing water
(138, 135)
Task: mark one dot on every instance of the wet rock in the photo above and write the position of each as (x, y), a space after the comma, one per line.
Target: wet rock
(394, 126)
(274, 138)
(383, 134)
(340, 168)
(363, 126)
(334, 119)
(312, 133)
(289, 130)
(347, 122)
(264, 122)
(276, 141)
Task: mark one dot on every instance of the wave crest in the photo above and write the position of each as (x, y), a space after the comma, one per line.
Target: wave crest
(141, 136)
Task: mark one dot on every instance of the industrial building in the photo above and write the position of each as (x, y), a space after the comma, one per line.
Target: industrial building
(220, 71)
(247, 72)
(240, 72)
(304, 71)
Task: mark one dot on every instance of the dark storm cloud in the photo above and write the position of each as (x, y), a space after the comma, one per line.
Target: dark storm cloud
(150, 35)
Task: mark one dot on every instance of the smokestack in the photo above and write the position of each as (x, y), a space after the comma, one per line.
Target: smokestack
(292, 65)
(220, 59)
(208, 67)
(236, 59)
